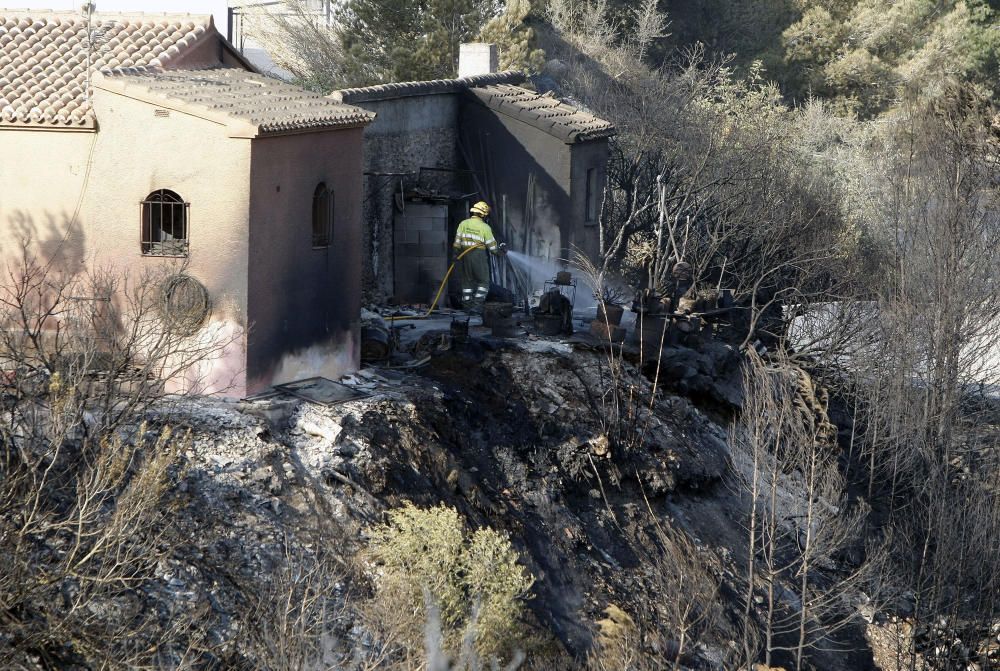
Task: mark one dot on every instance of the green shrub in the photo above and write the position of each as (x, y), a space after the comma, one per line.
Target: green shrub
(469, 577)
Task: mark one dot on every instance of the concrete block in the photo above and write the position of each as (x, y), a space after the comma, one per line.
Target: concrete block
(434, 269)
(420, 223)
(437, 237)
(406, 250)
(433, 249)
(435, 275)
(407, 271)
(427, 271)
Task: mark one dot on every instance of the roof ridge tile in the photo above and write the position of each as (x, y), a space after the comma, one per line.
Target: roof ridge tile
(427, 87)
(43, 64)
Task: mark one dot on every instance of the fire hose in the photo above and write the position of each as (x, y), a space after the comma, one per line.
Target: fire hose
(440, 290)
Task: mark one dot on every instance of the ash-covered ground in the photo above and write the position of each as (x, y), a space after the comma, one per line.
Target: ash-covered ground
(582, 459)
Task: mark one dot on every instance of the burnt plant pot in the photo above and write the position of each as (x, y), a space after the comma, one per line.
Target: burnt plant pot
(504, 327)
(610, 313)
(492, 311)
(652, 330)
(605, 332)
(375, 343)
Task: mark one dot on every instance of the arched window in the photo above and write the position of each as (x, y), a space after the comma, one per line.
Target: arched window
(322, 216)
(164, 224)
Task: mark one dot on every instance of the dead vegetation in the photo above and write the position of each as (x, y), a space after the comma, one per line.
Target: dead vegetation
(84, 480)
(571, 507)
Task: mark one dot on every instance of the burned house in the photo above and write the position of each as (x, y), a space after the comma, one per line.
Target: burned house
(435, 147)
(131, 140)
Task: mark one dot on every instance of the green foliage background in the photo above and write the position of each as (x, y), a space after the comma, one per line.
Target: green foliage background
(394, 40)
(863, 56)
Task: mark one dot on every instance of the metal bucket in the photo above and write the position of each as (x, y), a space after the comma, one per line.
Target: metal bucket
(374, 343)
(726, 298)
(460, 329)
(496, 310)
(650, 330)
(599, 329)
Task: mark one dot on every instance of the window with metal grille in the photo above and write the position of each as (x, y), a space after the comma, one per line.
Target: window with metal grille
(322, 216)
(165, 224)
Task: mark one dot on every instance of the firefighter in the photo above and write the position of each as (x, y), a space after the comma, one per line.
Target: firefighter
(473, 240)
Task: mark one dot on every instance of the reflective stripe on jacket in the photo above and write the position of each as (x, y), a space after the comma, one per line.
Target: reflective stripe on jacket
(474, 232)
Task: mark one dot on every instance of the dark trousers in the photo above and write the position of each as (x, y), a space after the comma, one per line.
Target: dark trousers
(475, 278)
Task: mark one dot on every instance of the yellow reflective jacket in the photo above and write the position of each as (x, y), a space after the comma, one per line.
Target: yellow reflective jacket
(474, 232)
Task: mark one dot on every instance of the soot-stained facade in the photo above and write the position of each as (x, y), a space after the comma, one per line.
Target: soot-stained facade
(539, 162)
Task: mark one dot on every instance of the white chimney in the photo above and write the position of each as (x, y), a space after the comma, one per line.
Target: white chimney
(477, 58)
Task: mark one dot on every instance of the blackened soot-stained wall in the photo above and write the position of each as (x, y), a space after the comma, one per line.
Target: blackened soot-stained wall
(543, 178)
(303, 302)
(408, 134)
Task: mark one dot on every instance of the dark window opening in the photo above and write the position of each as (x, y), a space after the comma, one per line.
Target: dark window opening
(591, 212)
(164, 224)
(322, 216)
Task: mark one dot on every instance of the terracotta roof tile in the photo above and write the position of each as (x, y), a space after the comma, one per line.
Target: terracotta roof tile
(545, 112)
(430, 87)
(43, 58)
(241, 99)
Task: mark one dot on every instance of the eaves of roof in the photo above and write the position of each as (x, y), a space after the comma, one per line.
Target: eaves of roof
(248, 105)
(560, 119)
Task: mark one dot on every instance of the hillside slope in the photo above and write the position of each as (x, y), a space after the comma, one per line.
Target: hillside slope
(515, 437)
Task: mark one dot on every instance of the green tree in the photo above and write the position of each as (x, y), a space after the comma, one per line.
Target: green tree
(394, 40)
(865, 55)
(373, 35)
(747, 30)
(514, 37)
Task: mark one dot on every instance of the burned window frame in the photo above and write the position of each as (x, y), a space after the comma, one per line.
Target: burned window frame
(591, 181)
(322, 223)
(150, 241)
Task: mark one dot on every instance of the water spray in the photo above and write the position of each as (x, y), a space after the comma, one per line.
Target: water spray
(537, 271)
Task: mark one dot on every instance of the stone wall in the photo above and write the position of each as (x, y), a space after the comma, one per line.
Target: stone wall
(408, 134)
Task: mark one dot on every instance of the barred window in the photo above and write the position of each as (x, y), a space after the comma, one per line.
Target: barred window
(322, 216)
(164, 224)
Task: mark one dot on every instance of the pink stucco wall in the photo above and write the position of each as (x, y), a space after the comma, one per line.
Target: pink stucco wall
(138, 152)
(303, 303)
(103, 177)
(42, 175)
